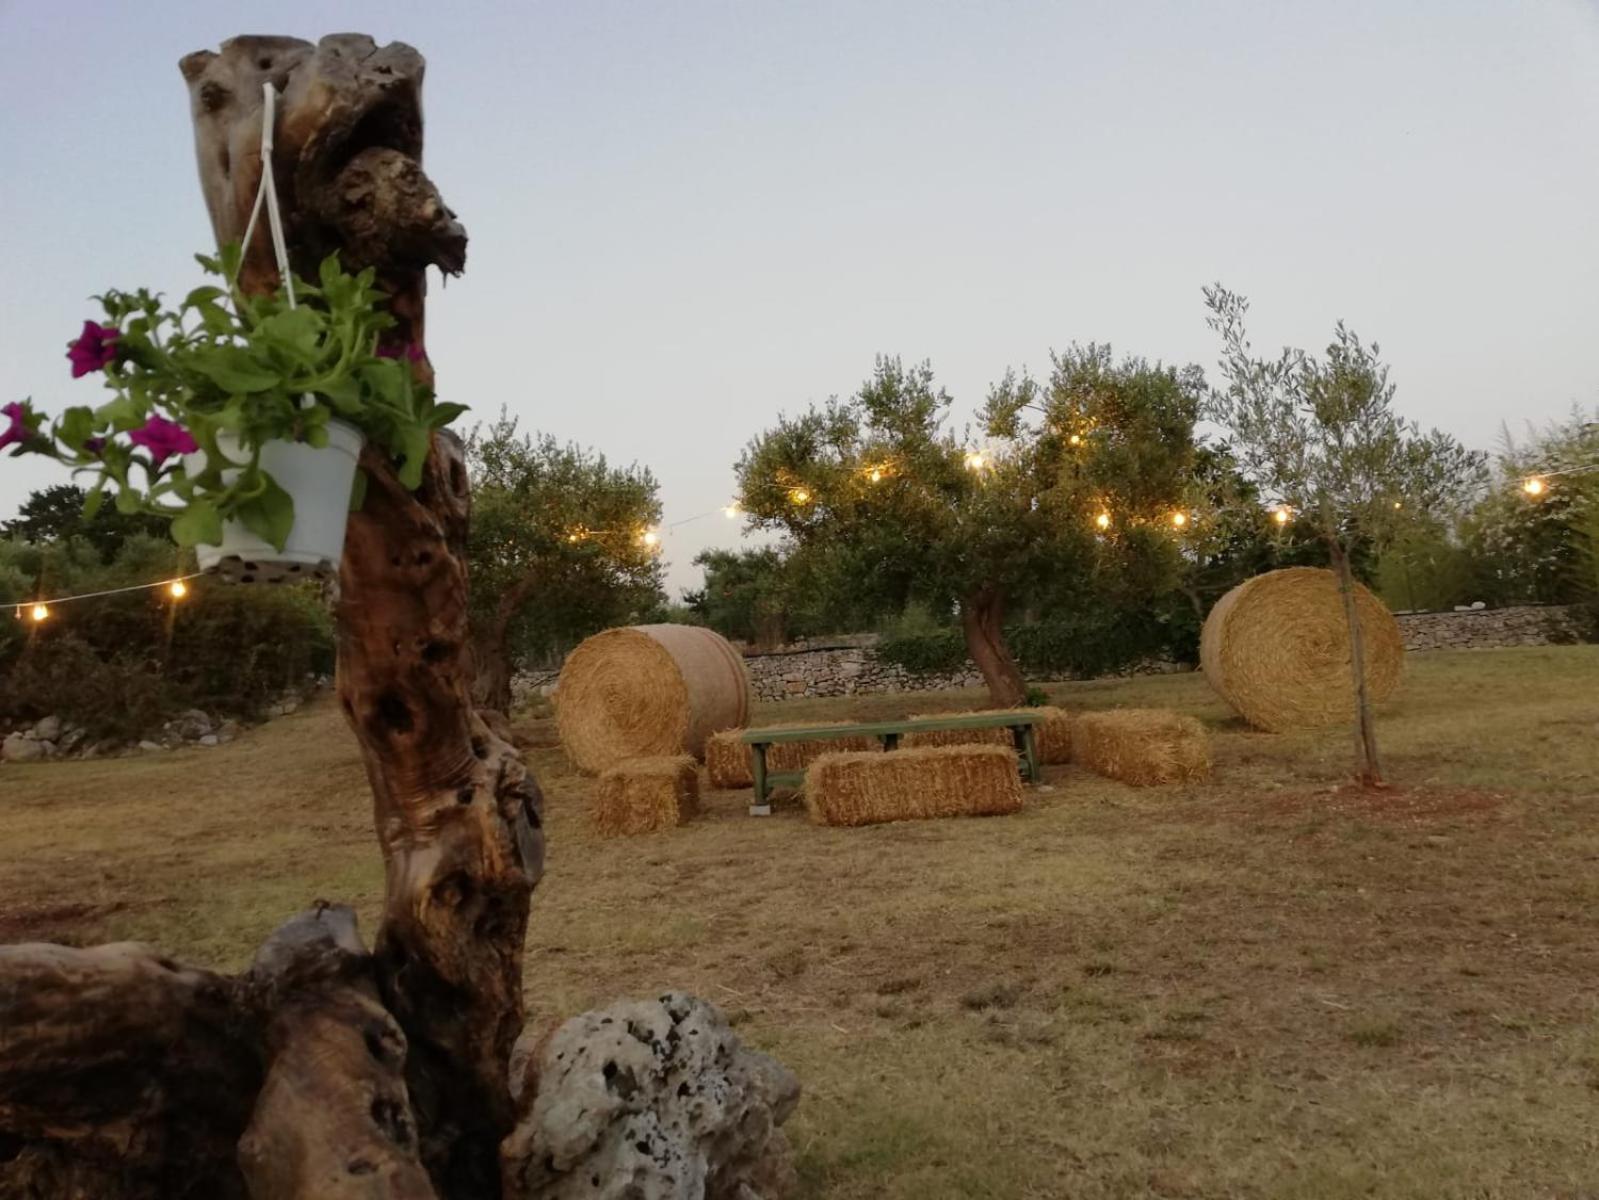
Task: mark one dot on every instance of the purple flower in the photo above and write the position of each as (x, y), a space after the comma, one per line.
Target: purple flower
(411, 352)
(18, 430)
(93, 349)
(163, 438)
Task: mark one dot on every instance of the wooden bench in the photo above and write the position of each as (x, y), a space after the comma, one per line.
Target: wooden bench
(888, 732)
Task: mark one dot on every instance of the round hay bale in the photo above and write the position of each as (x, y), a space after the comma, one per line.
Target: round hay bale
(1276, 648)
(646, 691)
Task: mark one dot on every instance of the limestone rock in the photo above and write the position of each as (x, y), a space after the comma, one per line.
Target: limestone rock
(651, 1100)
(150, 747)
(17, 748)
(47, 729)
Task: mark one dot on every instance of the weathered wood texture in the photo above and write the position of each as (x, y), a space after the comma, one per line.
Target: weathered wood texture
(456, 813)
(122, 1075)
(333, 1120)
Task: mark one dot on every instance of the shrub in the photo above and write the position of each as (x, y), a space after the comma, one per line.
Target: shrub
(120, 664)
(237, 648)
(1080, 646)
(120, 697)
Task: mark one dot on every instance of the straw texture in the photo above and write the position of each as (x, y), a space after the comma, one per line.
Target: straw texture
(903, 785)
(642, 795)
(729, 762)
(1143, 746)
(1276, 648)
(648, 690)
(1053, 734)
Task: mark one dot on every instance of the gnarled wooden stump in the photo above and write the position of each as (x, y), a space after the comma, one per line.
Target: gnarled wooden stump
(456, 813)
(323, 1071)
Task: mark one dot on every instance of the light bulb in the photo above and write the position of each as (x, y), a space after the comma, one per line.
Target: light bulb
(1280, 516)
(731, 512)
(649, 537)
(1103, 520)
(1179, 519)
(178, 589)
(975, 461)
(39, 612)
(1076, 439)
(875, 474)
(799, 495)
(1534, 486)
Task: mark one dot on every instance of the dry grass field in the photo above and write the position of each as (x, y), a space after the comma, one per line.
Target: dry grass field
(1266, 986)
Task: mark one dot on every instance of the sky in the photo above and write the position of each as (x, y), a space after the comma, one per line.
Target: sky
(688, 218)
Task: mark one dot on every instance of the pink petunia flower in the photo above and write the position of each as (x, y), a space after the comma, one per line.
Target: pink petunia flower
(18, 430)
(94, 348)
(163, 438)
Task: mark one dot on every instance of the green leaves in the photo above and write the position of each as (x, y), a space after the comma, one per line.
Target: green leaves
(223, 363)
(269, 514)
(234, 369)
(441, 415)
(199, 523)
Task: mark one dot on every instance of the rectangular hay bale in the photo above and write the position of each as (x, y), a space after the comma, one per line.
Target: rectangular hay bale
(905, 785)
(729, 761)
(1143, 746)
(641, 795)
(1053, 734)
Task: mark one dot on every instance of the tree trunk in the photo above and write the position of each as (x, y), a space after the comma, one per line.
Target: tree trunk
(122, 1075)
(982, 623)
(1370, 767)
(492, 648)
(457, 815)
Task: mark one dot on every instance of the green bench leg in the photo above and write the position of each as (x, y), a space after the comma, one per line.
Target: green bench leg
(761, 806)
(1027, 745)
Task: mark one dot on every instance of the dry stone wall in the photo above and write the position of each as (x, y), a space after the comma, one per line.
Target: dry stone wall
(852, 666)
(1490, 628)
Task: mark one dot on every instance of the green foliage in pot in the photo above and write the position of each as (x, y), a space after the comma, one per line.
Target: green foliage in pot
(247, 370)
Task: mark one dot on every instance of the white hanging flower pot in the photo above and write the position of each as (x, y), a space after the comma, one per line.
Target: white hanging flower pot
(319, 482)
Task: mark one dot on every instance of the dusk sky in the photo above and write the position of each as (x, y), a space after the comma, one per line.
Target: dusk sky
(686, 218)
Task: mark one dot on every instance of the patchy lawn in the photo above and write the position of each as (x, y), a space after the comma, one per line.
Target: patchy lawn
(1268, 986)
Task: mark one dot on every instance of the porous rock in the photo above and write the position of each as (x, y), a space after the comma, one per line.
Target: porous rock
(651, 1100)
(17, 748)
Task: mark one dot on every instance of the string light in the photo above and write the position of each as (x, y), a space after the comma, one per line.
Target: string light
(40, 610)
(1179, 520)
(1535, 487)
(732, 511)
(1076, 439)
(975, 460)
(799, 495)
(1103, 520)
(875, 475)
(649, 538)
(1281, 515)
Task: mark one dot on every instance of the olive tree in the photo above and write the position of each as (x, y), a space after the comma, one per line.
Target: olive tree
(1321, 440)
(559, 525)
(1069, 474)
